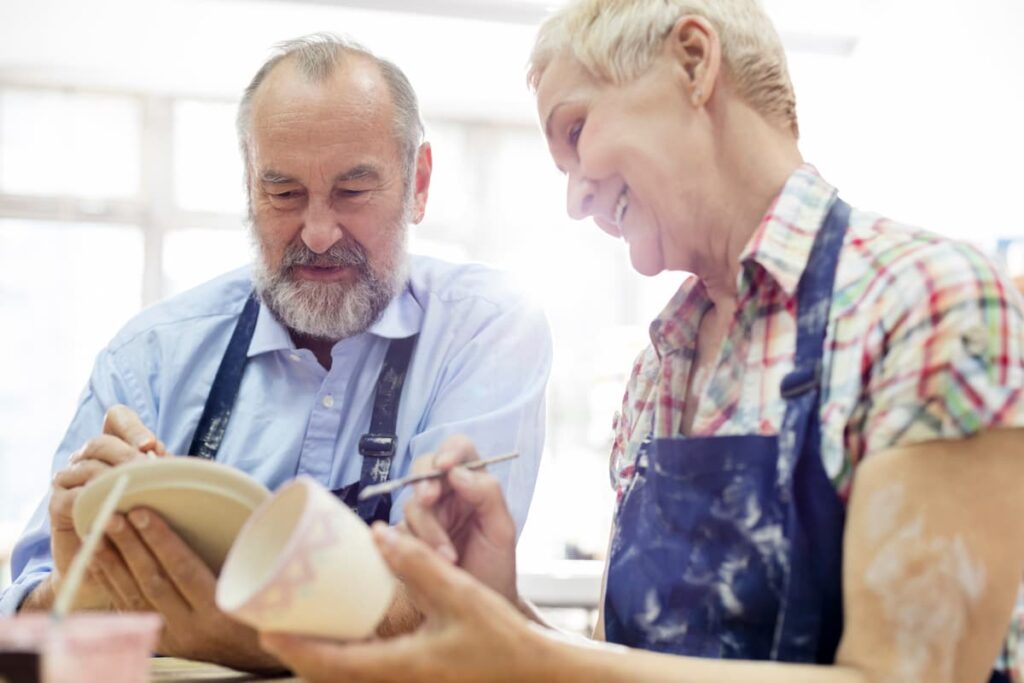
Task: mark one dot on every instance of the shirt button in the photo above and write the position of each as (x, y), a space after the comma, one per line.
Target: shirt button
(295, 357)
(328, 401)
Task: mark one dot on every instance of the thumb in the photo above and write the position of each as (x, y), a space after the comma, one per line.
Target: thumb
(324, 660)
(437, 583)
(483, 492)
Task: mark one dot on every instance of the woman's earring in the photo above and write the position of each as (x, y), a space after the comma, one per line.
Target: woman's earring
(697, 94)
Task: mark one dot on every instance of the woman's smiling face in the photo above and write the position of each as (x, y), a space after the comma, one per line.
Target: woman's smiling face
(632, 155)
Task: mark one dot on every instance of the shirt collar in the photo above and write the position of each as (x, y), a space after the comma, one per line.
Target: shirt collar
(782, 242)
(676, 326)
(402, 318)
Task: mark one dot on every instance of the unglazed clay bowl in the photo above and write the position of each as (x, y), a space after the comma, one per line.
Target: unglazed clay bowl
(305, 563)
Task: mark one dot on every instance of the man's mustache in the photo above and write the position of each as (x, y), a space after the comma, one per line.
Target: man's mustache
(341, 254)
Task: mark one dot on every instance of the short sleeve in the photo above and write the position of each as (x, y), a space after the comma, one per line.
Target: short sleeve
(949, 351)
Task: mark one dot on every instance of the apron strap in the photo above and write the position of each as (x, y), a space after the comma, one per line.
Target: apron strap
(378, 446)
(813, 585)
(217, 411)
(801, 387)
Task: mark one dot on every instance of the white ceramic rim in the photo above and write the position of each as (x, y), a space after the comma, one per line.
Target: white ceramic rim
(233, 599)
(248, 492)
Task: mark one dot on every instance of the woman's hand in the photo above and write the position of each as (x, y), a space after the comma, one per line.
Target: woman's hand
(470, 633)
(464, 517)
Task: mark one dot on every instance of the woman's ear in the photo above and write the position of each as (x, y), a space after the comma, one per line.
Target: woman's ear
(694, 46)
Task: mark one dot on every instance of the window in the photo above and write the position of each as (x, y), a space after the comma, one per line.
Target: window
(65, 289)
(57, 143)
(207, 162)
(194, 255)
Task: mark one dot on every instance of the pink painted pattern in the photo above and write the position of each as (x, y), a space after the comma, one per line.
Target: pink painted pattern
(299, 572)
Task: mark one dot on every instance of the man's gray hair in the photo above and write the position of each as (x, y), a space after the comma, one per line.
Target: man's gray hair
(317, 56)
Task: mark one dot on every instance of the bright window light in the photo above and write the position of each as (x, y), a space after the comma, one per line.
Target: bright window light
(52, 142)
(65, 290)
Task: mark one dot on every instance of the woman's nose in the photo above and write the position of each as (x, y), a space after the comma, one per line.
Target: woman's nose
(580, 196)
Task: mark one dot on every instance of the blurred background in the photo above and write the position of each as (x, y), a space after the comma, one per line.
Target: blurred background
(121, 184)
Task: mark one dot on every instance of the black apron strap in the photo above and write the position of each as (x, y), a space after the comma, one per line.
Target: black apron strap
(224, 391)
(378, 446)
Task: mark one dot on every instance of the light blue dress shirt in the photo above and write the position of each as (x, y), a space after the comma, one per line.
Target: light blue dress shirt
(479, 368)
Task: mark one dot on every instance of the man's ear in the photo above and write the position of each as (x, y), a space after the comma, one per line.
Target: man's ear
(694, 46)
(424, 167)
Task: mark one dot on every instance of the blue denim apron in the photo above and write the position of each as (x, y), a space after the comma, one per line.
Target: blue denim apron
(377, 446)
(731, 547)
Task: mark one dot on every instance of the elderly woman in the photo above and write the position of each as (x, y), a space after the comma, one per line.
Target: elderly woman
(818, 473)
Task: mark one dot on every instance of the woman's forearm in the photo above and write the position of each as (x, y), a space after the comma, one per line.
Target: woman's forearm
(562, 658)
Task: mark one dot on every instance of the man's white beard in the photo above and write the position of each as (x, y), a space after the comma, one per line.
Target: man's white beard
(332, 310)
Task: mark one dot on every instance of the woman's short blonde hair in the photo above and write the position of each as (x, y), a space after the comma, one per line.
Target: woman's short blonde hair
(617, 40)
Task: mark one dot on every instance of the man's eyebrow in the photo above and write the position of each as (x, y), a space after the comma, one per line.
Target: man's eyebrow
(276, 177)
(359, 172)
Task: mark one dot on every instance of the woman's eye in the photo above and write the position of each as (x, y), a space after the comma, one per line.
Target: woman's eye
(287, 194)
(574, 133)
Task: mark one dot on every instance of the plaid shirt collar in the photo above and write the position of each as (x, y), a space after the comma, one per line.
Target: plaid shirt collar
(781, 245)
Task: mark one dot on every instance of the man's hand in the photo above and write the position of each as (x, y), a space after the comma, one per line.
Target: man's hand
(124, 439)
(146, 567)
(464, 517)
(471, 633)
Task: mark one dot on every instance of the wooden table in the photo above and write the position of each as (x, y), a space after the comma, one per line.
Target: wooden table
(173, 670)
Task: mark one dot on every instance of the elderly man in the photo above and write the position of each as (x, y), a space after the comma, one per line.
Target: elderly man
(277, 370)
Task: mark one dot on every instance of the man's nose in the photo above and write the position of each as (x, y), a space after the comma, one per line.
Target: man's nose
(321, 229)
(580, 196)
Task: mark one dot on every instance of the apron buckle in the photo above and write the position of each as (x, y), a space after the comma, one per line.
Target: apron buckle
(377, 445)
(800, 381)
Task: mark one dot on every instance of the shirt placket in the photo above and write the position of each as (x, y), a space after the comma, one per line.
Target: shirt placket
(319, 445)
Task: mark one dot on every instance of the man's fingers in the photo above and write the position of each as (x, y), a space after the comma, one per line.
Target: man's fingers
(119, 578)
(122, 422)
(105, 448)
(80, 473)
(97, 576)
(436, 582)
(425, 526)
(148, 575)
(62, 503)
(189, 574)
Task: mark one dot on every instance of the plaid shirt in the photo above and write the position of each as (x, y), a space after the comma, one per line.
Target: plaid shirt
(925, 341)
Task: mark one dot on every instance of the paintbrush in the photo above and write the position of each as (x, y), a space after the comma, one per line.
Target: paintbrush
(389, 486)
(69, 587)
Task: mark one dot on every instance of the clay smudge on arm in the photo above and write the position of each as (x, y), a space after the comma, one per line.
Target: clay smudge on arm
(927, 585)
